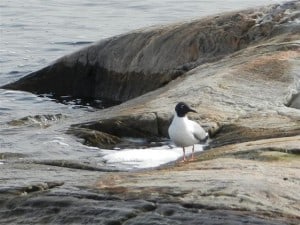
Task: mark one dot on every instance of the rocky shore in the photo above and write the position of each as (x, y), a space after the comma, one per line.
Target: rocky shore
(240, 71)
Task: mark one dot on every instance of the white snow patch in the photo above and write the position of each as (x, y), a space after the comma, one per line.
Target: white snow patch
(145, 158)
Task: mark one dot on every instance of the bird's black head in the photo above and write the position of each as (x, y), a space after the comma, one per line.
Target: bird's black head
(182, 109)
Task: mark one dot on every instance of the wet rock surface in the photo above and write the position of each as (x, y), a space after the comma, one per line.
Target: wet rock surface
(96, 138)
(42, 121)
(240, 71)
(98, 209)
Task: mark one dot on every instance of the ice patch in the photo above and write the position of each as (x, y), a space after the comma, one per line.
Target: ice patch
(145, 158)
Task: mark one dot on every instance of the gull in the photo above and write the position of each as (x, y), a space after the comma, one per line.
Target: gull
(184, 132)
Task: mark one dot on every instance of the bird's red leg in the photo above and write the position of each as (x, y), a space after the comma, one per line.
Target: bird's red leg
(193, 150)
(184, 158)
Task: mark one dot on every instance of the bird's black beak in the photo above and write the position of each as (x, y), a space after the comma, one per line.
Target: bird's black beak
(192, 110)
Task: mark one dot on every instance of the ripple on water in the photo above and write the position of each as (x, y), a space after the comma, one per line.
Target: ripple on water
(79, 43)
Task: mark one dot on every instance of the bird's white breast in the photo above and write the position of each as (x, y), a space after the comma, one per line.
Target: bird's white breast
(181, 132)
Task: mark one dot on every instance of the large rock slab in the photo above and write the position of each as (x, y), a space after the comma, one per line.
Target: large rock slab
(248, 183)
(247, 95)
(243, 97)
(126, 66)
(260, 176)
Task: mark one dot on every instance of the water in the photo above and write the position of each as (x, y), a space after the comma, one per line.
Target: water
(33, 33)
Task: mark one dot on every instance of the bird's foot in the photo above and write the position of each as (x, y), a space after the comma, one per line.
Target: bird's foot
(192, 159)
(184, 160)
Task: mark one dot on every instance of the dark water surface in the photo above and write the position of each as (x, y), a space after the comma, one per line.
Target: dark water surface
(33, 33)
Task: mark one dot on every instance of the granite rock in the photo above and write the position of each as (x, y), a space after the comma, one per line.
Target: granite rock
(240, 71)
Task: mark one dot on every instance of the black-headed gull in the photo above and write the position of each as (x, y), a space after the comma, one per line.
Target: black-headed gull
(184, 132)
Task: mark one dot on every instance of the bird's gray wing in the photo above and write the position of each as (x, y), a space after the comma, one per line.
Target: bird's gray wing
(198, 132)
